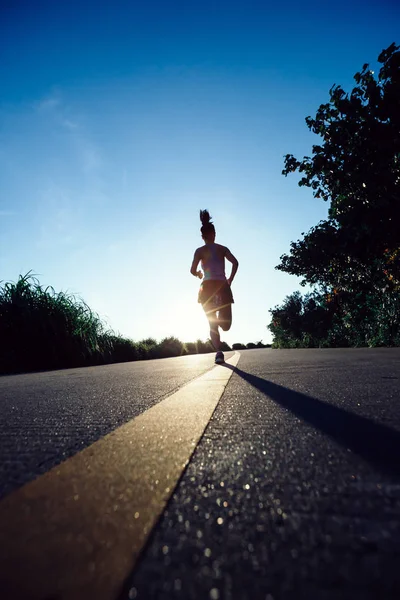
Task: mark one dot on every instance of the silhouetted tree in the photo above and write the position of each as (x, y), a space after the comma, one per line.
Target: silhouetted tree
(356, 168)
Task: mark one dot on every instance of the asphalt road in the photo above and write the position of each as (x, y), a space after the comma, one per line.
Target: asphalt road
(293, 491)
(48, 417)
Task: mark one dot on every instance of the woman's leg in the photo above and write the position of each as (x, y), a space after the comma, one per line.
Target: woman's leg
(225, 317)
(214, 333)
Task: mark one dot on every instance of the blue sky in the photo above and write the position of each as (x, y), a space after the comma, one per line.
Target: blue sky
(119, 121)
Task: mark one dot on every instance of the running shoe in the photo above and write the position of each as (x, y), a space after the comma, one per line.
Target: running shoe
(219, 358)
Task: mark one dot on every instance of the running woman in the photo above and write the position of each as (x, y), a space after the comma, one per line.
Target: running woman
(215, 294)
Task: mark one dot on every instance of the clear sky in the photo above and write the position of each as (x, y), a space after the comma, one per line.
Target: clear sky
(120, 120)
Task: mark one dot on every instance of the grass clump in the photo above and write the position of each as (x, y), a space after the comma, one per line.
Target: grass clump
(43, 329)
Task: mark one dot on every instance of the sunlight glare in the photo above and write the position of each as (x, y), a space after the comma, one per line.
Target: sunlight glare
(188, 321)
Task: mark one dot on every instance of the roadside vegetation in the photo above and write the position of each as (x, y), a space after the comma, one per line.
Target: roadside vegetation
(351, 260)
(44, 329)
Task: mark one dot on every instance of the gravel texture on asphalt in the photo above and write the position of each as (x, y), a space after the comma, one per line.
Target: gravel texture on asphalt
(293, 491)
(48, 417)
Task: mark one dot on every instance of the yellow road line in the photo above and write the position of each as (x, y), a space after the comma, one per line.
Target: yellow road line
(76, 532)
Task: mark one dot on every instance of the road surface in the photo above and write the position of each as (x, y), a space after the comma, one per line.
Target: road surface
(293, 489)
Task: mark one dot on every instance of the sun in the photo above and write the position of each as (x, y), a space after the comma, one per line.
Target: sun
(188, 321)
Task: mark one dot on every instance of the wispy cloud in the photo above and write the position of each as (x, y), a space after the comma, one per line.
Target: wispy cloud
(68, 124)
(61, 112)
(67, 193)
(49, 103)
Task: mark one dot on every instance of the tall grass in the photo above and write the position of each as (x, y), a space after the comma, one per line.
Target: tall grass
(44, 329)
(40, 328)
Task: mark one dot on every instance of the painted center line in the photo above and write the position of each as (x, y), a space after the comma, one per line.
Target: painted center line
(75, 532)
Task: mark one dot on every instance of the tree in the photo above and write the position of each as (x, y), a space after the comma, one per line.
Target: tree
(356, 168)
(302, 321)
(170, 346)
(336, 320)
(238, 346)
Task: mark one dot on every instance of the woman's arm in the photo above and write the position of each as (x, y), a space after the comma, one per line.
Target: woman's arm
(195, 264)
(235, 264)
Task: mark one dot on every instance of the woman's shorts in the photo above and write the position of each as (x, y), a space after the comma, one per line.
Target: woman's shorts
(215, 294)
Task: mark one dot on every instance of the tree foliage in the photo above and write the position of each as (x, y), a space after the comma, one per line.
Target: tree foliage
(301, 321)
(340, 319)
(352, 258)
(356, 168)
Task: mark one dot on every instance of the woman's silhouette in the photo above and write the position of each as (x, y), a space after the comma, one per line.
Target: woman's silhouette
(215, 294)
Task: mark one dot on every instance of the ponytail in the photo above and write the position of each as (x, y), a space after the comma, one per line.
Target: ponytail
(205, 217)
(207, 228)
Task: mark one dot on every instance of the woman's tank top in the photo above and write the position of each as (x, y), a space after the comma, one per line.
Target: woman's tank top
(213, 262)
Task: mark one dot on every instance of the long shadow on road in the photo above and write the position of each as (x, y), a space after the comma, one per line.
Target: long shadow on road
(376, 443)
